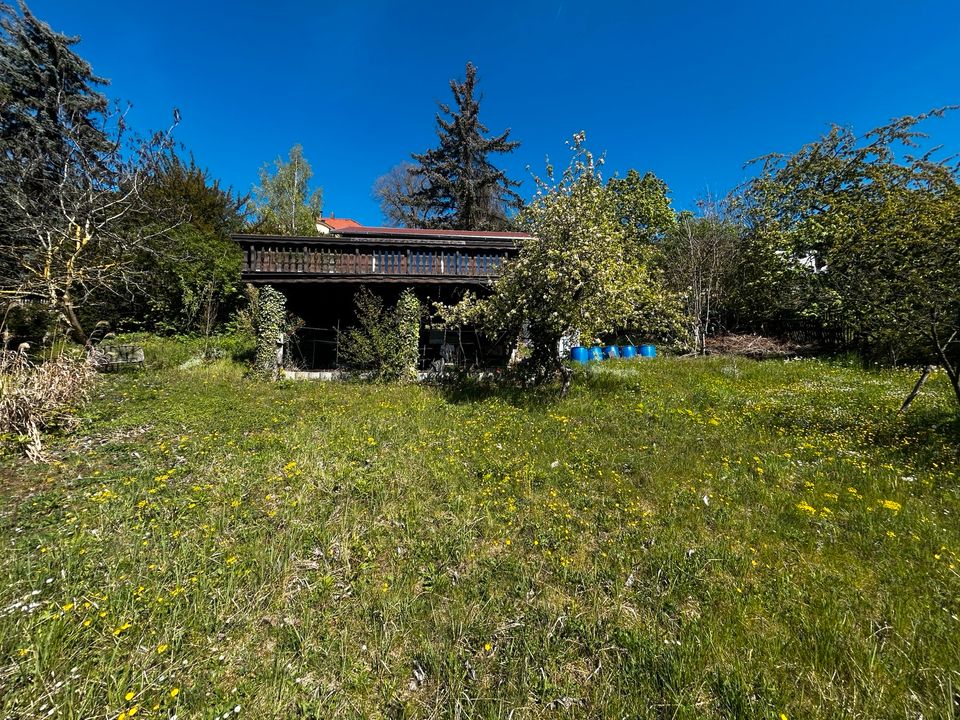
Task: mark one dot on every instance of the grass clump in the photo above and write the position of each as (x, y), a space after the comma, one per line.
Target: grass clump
(687, 539)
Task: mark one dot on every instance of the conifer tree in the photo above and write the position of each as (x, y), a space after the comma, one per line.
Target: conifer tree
(459, 188)
(71, 174)
(49, 98)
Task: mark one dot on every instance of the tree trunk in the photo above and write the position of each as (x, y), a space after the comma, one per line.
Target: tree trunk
(916, 389)
(953, 371)
(68, 313)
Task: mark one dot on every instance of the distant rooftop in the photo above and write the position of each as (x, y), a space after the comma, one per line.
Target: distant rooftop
(335, 224)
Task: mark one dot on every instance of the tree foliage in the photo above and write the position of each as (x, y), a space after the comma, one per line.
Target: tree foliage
(642, 205)
(580, 271)
(878, 228)
(282, 202)
(455, 185)
(193, 267)
(71, 175)
(699, 257)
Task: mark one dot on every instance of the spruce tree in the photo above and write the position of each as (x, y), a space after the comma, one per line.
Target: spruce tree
(459, 188)
(71, 175)
(49, 103)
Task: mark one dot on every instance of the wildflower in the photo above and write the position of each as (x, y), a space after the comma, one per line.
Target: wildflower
(891, 505)
(129, 696)
(487, 647)
(162, 648)
(121, 628)
(174, 692)
(806, 507)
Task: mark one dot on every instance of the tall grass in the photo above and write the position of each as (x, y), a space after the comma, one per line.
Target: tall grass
(683, 539)
(38, 396)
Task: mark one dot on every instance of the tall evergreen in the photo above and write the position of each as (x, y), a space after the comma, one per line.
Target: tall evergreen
(71, 175)
(49, 103)
(459, 187)
(46, 89)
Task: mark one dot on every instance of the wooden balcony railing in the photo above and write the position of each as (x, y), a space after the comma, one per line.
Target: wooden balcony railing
(336, 259)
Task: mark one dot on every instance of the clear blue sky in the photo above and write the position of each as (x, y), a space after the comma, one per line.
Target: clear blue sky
(688, 90)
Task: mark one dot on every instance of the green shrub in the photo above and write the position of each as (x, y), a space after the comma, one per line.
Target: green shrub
(385, 342)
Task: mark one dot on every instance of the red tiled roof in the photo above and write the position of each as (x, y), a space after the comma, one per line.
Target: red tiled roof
(339, 223)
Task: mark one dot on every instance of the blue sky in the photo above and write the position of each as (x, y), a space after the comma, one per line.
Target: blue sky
(688, 90)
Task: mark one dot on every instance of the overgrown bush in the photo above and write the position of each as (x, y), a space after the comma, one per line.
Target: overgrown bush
(35, 397)
(385, 342)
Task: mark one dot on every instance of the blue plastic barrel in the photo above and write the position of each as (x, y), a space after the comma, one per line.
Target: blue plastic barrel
(611, 352)
(596, 353)
(648, 351)
(579, 355)
(628, 351)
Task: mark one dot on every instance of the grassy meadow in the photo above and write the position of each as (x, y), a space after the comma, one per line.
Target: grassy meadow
(677, 538)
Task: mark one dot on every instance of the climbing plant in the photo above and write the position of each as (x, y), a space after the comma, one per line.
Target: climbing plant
(271, 324)
(384, 344)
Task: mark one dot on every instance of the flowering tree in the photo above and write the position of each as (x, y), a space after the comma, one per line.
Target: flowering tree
(879, 228)
(579, 272)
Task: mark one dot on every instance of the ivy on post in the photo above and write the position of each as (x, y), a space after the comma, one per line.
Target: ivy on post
(271, 312)
(408, 332)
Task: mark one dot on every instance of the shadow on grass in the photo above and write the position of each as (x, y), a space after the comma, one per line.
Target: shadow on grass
(584, 382)
(923, 434)
(472, 390)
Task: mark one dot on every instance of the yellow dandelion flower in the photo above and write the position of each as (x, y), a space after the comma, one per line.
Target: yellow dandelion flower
(487, 647)
(121, 628)
(129, 696)
(162, 648)
(174, 692)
